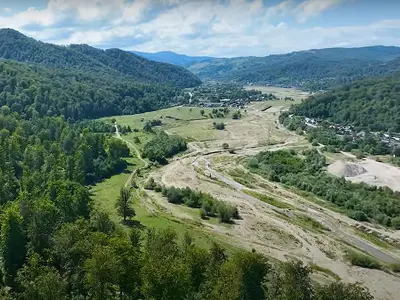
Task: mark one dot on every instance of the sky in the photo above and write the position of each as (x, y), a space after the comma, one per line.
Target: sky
(220, 28)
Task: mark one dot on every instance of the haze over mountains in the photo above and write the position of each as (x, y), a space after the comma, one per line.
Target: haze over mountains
(312, 69)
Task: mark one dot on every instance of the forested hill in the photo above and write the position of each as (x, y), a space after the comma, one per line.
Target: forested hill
(34, 90)
(313, 69)
(112, 62)
(372, 104)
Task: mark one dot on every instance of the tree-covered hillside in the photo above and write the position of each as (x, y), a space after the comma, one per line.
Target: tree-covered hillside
(313, 69)
(112, 62)
(371, 104)
(31, 89)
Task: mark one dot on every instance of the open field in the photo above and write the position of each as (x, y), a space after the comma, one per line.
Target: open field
(280, 92)
(279, 222)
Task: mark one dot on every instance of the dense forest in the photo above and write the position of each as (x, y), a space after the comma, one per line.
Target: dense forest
(360, 201)
(29, 90)
(310, 70)
(372, 104)
(109, 63)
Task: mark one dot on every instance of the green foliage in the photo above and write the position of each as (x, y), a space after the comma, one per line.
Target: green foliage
(13, 242)
(311, 70)
(360, 201)
(290, 282)
(124, 204)
(86, 263)
(371, 104)
(236, 115)
(209, 206)
(219, 126)
(269, 200)
(163, 146)
(111, 63)
(41, 282)
(341, 291)
(360, 259)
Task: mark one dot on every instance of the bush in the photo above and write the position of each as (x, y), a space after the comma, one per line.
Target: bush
(362, 260)
(136, 140)
(236, 115)
(150, 184)
(203, 214)
(227, 212)
(359, 216)
(225, 146)
(219, 126)
(174, 196)
(209, 206)
(396, 222)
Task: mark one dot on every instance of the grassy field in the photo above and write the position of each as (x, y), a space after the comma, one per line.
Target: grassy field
(280, 92)
(105, 195)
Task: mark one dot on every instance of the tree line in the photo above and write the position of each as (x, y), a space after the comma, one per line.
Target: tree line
(209, 206)
(360, 201)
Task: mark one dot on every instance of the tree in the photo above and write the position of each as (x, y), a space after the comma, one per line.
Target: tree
(124, 205)
(101, 222)
(13, 242)
(41, 282)
(225, 146)
(202, 112)
(101, 273)
(289, 282)
(341, 291)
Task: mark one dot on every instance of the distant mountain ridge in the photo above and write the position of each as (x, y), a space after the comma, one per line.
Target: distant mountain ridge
(310, 69)
(115, 62)
(173, 58)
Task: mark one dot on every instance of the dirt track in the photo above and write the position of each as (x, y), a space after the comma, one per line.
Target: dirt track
(263, 226)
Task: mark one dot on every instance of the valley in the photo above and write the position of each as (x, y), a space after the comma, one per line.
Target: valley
(279, 222)
(134, 175)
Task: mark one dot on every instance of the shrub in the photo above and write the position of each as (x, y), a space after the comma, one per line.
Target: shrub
(362, 260)
(219, 126)
(150, 184)
(203, 214)
(225, 146)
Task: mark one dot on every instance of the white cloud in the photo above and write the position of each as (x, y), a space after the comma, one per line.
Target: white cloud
(7, 9)
(312, 8)
(28, 17)
(212, 27)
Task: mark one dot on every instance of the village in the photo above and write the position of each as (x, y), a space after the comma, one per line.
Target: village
(224, 95)
(390, 140)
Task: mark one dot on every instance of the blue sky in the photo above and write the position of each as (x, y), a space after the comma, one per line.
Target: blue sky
(223, 28)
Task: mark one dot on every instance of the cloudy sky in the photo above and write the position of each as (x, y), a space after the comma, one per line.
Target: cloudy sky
(222, 28)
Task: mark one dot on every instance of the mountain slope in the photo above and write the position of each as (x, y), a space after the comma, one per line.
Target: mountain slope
(114, 62)
(30, 90)
(313, 69)
(173, 58)
(372, 104)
